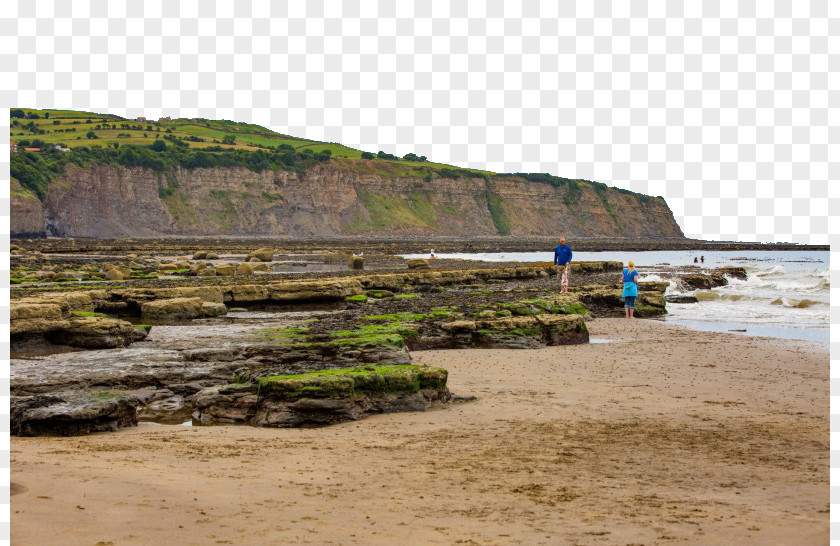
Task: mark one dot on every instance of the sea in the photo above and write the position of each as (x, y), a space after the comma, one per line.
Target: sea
(786, 294)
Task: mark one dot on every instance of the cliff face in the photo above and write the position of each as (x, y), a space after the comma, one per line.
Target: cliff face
(336, 198)
(27, 212)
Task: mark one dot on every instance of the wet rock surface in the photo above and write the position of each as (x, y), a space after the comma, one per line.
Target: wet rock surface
(207, 345)
(321, 399)
(70, 415)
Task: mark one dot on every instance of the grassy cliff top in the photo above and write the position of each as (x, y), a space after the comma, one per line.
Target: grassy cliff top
(75, 129)
(192, 143)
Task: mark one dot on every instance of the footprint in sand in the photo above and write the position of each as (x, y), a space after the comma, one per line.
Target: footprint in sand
(16, 488)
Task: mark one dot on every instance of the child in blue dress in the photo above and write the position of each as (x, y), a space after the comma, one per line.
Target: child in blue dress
(631, 289)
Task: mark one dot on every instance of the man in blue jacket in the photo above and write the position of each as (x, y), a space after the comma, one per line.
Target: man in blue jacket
(563, 262)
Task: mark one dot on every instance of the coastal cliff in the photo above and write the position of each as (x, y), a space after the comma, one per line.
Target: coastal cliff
(333, 198)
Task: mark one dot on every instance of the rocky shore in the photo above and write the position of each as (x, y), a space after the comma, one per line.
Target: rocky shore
(661, 435)
(99, 355)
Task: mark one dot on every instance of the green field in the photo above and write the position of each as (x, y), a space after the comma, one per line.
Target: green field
(70, 128)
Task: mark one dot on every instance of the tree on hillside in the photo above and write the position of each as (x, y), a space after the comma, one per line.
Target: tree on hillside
(47, 115)
(367, 155)
(414, 157)
(91, 134)
(33, 115)
(229, 139)
(383, 155)
(17, 113)
(158, 146)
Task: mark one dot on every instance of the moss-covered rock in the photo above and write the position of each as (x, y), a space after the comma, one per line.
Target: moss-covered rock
(379, 294)
(262, 254)
(173, 308)
(323, 397)
(417, 263)
(513, 332)
(95, 333)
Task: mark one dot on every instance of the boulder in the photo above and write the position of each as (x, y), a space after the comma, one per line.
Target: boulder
(652, 286)
(168, 267)
(44, 415)
(225, 270)
(244, 269)
(262, 254)
(704, 281)
(174, 308)
(212, 309)
(356, 263)
(240, 293)
(680, 298)
(212, 256)
(200, 255)
(418, 263)
(95, 333)
(206, 272)
(166, 407)
(261, 267)
(734, 272)
(117, 274)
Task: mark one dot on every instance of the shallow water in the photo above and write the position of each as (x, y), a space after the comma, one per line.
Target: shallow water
(785, 295)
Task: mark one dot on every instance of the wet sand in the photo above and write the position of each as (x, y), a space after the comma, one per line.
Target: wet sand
(664, 435)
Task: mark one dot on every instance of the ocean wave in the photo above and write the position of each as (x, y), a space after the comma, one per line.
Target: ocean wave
(803, 281)
(763, 272)
(798, 304)
(719, 295)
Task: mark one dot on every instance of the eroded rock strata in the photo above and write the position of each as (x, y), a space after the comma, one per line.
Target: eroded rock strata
(339, 197)
(204, 351)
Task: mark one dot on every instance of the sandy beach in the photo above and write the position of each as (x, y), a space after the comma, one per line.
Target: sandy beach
(662, 435)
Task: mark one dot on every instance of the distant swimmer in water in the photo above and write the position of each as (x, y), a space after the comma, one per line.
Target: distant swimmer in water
(432, 253)
(702, 259)
(695, 259)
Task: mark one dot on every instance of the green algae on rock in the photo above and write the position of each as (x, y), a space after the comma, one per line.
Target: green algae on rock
(323, 397)
(353, 381)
